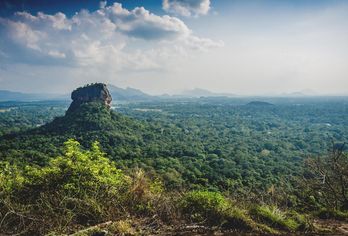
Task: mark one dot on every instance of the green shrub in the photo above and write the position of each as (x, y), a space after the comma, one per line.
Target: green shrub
(80, 187)
(236, 218)
(144, 195)
(214, 209)
(200, 206)
(277, 218)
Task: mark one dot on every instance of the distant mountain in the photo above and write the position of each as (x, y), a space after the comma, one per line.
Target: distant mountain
(9, 95)
(302, 93)
(6, 95)
(259, 103)
(198, 92)
(127, 94)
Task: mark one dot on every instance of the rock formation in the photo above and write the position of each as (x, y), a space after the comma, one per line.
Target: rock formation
(97, 92)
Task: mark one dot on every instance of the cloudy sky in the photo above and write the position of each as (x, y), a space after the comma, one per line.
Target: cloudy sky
(260, 47)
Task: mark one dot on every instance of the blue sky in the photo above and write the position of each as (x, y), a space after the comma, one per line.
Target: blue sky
(8, 7)
(69, 7)
(165, 46)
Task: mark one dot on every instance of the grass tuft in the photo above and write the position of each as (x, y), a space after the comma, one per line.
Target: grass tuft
(274, 217)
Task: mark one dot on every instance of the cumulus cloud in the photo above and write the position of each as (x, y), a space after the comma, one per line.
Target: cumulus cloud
(187, 7)
(108, 36)
(203, 44)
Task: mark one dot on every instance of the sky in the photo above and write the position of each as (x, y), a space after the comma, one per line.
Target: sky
(244, 47)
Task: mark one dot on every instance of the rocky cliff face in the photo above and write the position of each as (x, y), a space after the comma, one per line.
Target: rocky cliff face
(97, 92)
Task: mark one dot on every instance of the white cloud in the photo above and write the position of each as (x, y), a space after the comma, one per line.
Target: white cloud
(108, 36)
(187, 7)
(202, 44)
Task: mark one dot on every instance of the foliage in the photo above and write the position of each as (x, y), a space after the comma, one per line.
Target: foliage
(204, 205)
(79, 187)
(144, 194)
(326, 180)
(277, 218)
(206, 143)
(83, 187)
(21, 116)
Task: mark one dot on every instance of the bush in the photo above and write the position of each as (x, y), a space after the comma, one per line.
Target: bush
(80, 187)
(144, 196)
(200, 206)
(273, 216)
(326, 179)
(214, 209)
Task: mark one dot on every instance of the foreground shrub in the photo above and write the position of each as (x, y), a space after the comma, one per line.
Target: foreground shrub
(274, 217)
(144, 195)
(202, 206)
(80, 187)
(214, 209)
(325, 179)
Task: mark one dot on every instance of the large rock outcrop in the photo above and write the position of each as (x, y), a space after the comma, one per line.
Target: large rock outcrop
(97, 92)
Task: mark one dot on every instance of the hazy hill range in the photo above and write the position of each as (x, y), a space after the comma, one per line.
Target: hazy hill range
(127, 94)
(132, 94)
(259, 103)
(118, 94)
(198, 92)
(6, 95)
